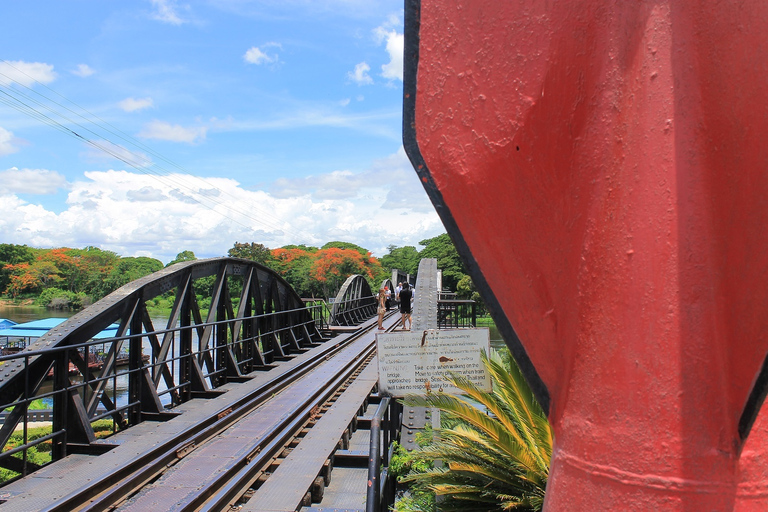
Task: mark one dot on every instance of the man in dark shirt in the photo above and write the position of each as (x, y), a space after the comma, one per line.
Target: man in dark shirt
(405, 297)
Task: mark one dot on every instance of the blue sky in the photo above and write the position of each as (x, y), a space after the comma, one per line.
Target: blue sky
(150, 127)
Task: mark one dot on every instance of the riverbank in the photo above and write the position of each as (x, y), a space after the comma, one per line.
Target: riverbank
(10, 303)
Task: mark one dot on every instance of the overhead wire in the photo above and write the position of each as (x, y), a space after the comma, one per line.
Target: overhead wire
(143, 166)
(16, 98)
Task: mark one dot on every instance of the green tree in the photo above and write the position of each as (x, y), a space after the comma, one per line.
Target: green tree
(65, 261)
(406, 259)
(306, 248)
(331, 267)
(495, 460)
(95, 265)
(294, 264)
(345, 245)
(465, 289)
(12, 254)
(441, 247)
(253, 251)
(183, 256)
(129, 269)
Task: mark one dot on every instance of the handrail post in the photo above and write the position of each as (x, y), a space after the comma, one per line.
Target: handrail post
(373, 496)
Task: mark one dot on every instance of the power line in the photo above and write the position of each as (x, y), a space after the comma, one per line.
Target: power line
(15, 99)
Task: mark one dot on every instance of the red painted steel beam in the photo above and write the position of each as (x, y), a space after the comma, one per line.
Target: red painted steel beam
(600, 166)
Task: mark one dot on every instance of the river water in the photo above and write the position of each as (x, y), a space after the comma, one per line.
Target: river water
(21, 314)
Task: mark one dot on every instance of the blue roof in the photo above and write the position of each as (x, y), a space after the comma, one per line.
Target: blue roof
(5, 323)
(37, 328)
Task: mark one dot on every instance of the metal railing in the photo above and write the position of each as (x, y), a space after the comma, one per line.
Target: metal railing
(321, 312)
(385, 426)
(456, 314)
(354, 303)
(138, 378)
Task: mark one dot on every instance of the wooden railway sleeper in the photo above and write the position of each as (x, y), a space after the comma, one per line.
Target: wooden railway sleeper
(241, 479)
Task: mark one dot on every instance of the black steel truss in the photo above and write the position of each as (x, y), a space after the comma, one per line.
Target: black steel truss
(354, 303)
(189, 356)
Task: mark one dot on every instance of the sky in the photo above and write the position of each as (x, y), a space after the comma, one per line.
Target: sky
(151, 127)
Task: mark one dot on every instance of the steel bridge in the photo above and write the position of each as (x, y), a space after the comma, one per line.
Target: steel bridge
(237, 336)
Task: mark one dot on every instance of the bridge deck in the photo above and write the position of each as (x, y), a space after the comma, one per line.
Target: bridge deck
(45, 487)
(285, 489)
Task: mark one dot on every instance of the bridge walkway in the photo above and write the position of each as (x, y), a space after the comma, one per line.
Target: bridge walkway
(52, 484)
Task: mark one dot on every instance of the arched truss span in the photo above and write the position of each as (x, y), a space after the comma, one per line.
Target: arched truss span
(254, 318)
(401, 276)
(387, 283)
(354, 303)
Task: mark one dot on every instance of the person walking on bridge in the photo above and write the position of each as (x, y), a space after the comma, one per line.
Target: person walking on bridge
(405, 296)
(382, 299)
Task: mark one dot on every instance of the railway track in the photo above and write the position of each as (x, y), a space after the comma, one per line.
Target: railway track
(217, 462)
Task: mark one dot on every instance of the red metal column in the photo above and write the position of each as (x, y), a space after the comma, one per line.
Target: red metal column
(600, 165)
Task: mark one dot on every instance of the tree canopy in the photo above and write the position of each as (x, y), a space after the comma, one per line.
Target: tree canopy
(182, 256)
(85, 274)
(448, 260)
(257, 252)
(92, 273)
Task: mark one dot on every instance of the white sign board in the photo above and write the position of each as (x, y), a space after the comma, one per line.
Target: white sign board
(415, 362)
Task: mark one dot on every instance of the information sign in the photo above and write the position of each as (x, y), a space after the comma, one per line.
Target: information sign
(417, 362)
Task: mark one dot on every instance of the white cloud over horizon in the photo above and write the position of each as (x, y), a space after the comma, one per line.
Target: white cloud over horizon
(26, 73)
(262, 96)
(137, 214)
(31, 181)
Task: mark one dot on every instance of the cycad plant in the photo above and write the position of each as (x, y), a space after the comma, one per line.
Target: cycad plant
(496, 453)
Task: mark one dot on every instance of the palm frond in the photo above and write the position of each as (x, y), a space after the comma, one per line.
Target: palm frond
(497, 454)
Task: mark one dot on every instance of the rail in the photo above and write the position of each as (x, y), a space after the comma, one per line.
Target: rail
(112, 487)
(187, 370)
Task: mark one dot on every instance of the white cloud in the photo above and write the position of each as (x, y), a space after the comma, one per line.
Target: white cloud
(392, 178)
(6, 142)
(360, 75)
(160, 130)
(180, 212)
(344, 102)
(256, 55)
(167, 11)
(146, 194)
(134, 104)
(31, 181)
(25, 73)
(83, 70)
(395, 44)
(305, 114)
(395, 47)
(100, 151)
